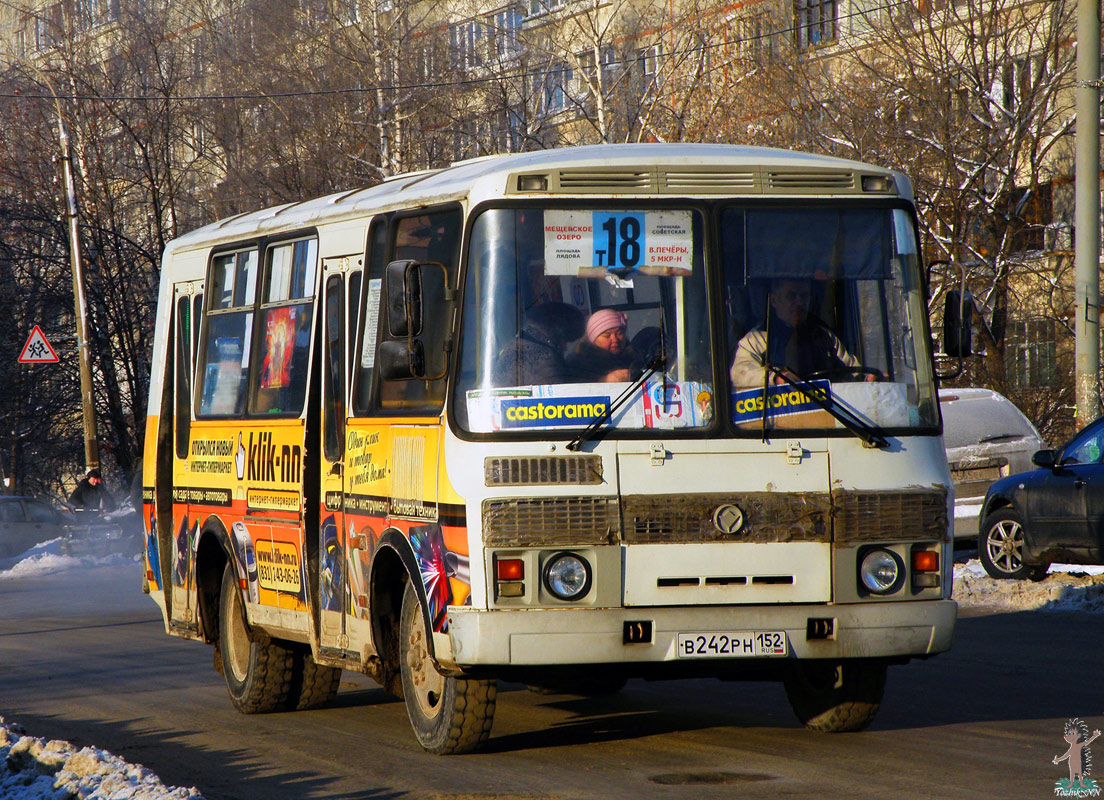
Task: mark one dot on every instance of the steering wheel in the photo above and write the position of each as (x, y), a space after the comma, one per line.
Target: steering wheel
(845, 373)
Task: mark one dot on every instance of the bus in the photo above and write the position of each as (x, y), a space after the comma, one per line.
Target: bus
(561, 418)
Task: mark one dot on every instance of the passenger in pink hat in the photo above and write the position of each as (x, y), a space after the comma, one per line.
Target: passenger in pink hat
(605, 355)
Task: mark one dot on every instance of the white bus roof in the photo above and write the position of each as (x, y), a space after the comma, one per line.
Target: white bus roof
(674, 169)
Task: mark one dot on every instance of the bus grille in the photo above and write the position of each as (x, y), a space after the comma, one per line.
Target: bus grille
(890, 516)
(721, 181)
(607, 180)
(552, 521)
(542, 470)
(820, 179)
(768, 517)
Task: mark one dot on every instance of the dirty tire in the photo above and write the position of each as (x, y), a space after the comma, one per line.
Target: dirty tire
(835, 696)
(258, 671)
(448, 715)
(312, 684)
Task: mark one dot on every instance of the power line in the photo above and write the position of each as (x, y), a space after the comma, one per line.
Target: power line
(443, 84)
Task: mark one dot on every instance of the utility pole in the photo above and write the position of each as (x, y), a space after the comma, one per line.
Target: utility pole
(1087, 213)
(80, 305)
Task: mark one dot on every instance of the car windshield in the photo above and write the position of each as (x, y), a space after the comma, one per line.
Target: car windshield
(565, 308)
(989, 418)
(826, 297)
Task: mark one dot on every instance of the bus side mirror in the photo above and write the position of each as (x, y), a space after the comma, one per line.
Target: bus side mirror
(402, 360)
(958, 324)
(404, 298)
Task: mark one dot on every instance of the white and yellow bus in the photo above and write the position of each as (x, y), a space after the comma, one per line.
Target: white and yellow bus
(495, 421)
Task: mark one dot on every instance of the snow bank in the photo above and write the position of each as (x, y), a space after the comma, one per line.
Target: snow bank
(34, 769)
(1067, 587)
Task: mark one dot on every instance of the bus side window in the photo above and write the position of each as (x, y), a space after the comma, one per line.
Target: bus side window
(364, 353)
(433, 236)
(197, 315)
(183, 390)
(334, 416)
(224, 369)
(280, 365)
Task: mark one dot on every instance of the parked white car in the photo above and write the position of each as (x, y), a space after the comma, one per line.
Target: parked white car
(986, 438)
(27, 521)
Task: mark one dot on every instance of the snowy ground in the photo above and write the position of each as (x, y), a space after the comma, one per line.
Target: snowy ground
(1067, 587)
(34, 769)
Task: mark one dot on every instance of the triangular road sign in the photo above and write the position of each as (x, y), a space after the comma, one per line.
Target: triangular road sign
(37, 350)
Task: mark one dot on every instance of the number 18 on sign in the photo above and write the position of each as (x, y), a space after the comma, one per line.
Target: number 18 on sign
(37, 350)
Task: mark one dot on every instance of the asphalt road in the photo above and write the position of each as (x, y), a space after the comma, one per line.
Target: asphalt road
(84, 658)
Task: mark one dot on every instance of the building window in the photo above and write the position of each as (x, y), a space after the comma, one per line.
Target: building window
(535, 8)
(507, 24)
(1029, 353)
(815, 22)
(19, 46)
(648, 63)
(755, 35)
(554, 88)
(467, 44)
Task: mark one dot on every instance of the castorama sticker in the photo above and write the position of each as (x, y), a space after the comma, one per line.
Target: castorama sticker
(542, 412)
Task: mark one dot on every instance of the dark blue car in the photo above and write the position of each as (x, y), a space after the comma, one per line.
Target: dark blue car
(1052, 514)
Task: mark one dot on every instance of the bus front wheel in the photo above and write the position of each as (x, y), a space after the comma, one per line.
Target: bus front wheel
(258, 671)
(448, 714)
(836, 697)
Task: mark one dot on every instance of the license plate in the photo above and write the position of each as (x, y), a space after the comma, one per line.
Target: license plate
(732, 644)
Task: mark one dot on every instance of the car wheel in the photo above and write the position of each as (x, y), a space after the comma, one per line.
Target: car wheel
(448, 714)
(1001, 547)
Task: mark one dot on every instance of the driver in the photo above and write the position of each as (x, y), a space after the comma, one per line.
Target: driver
(800, 344)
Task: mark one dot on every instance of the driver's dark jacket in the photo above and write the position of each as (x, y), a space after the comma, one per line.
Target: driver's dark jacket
(803, 350)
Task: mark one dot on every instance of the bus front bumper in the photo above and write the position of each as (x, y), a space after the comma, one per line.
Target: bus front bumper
(546, 637)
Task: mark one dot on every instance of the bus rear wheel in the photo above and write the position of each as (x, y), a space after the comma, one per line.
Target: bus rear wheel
(312, 684)
(836, 696)
(258, 671)
(448, 714)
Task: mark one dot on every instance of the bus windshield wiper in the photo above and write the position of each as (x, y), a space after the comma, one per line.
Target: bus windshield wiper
(657, 363)
(871, 435)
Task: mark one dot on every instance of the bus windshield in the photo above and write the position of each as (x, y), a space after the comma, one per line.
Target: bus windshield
(565, 308)
(826, 296)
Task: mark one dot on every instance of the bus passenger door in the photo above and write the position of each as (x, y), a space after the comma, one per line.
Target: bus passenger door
(333, 539)
(176, 546)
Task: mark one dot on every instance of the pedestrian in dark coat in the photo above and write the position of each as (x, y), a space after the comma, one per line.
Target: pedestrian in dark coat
(91, 494)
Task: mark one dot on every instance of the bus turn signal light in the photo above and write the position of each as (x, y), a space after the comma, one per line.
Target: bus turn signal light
(925, 561)
(510, 569)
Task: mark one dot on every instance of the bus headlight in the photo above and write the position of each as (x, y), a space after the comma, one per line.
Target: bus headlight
(567, 576)
(880, 571)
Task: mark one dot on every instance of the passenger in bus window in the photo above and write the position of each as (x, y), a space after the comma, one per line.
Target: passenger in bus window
(605, 355)
(801, 345)
(535, 356)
